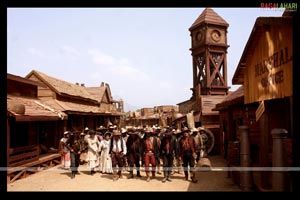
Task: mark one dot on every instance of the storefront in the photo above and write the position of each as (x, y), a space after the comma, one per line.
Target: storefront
(265, 71)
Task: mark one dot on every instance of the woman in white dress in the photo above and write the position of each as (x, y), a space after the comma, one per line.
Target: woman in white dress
(93, 146)
(105, 159)
(65, 152)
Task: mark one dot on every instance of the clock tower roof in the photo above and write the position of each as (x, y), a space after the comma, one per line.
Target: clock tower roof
(208, 16)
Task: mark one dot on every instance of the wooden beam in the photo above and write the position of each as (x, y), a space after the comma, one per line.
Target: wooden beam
(27, 118)
(56, 161)
(45, 165)
(17, 176)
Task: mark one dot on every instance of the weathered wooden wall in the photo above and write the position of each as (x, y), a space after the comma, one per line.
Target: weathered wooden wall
(20, 89)
(268, 73)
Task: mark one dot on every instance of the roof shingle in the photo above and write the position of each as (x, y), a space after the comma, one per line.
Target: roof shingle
(209, 16)
(63, 87)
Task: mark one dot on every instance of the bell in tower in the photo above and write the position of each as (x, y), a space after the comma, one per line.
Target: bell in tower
(209, 49)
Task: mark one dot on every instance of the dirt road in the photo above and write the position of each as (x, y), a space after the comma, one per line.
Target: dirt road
(56, 179)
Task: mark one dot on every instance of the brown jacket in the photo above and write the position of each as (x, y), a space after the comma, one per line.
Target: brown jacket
(184, 148)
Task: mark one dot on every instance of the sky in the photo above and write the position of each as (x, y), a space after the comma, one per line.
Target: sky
(142, 53)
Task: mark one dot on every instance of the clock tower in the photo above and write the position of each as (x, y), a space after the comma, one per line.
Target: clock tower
(209, 50)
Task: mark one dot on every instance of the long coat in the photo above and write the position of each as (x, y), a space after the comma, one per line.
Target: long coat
(174, 146)
(93, 146)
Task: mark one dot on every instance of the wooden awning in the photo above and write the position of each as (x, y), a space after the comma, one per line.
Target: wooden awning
(82, 109)
(34, 110)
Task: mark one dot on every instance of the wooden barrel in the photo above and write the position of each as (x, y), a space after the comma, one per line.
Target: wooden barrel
(18, 107)
(204, 162)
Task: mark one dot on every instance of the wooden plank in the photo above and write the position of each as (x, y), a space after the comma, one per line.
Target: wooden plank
(56, 161)
(27, 118)
(45, 93)
(24, 171)
(25, 174)
(42, 159)
(8, 179)
(24, 148)
(22, 157)
(20, 163)
(17, 176)
(45, 165)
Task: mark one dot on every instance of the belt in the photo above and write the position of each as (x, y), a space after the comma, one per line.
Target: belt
(149, 152)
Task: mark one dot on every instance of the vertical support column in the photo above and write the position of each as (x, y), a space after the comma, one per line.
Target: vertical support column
(195, 71)
(279, 160)
(245, 175)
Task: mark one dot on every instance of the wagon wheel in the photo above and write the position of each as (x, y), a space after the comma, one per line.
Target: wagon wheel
(208, 139)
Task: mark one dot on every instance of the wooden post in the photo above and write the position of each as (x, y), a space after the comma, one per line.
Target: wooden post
(279, 160)
(245, 176)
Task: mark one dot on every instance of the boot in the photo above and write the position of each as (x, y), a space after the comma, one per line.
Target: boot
(169, 176)
(158, 169)
(115, 176)
(153, 174)
(73, 175)
(131, 174)
(148, 176)
(193, 177)
(186, 175)
(120, 174)
(93, 171)
(138, 173)
(165, 177)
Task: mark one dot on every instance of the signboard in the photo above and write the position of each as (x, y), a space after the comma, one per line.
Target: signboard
(260, 110)
(268, 73)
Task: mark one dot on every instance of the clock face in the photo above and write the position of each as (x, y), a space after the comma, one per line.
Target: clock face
(199, 36)
(216, 35)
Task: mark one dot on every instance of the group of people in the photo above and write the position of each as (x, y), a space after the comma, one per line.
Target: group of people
(110, 150)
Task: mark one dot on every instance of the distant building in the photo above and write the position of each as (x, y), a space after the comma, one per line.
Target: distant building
(158, 115)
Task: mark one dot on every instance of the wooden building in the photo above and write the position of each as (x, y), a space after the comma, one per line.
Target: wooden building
(90, 107)
(33, 128)
(234, 113)
(40, 108)
(265, 71)
(209, 52)
(158, 115)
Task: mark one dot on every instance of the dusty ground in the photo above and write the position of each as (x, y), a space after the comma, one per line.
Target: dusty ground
(56, 179)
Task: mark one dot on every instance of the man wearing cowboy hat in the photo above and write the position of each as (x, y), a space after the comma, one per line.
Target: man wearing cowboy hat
(75, 148)
(150, 151)
(158, 135)
(187, 154)
(125, 135)
(198, 143)
(134, 147)
(84, 145)
(168, 149)
(177, 164)
(117, 151)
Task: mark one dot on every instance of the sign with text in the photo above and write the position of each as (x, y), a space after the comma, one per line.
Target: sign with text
(268, 73)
